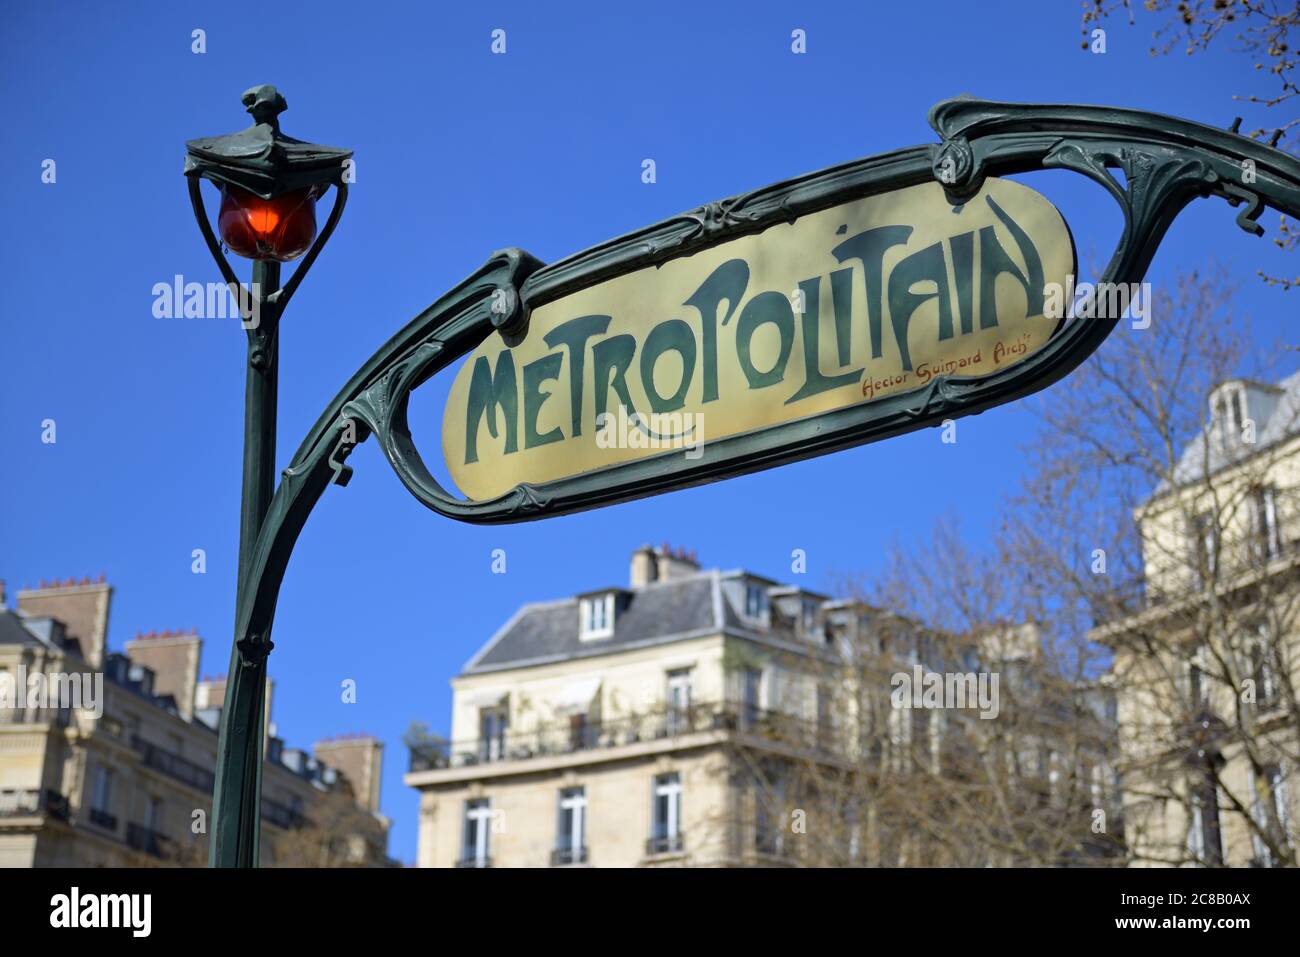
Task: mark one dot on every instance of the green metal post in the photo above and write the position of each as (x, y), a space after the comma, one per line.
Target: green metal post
(237, 799)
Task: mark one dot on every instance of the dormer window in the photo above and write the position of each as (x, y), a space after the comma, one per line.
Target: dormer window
(1228, 410)
(596, 616)
(809, 612)
(756, 606)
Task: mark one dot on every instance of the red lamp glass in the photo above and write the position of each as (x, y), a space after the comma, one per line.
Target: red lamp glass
(280, 228)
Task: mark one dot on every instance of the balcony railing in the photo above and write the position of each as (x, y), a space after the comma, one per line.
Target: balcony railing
(174, 766)
(59, 717)
(568, 855)
(1241, 563)
(30, 802)
(141, 838)
(283, 816)
(667, 844)
(567, 738)
(103, 819)
(474, 862)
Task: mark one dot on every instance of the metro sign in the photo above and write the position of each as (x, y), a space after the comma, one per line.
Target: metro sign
(845, 306)
(837, 308)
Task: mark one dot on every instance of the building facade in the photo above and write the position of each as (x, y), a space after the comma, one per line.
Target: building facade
(599, 729)
(108, 759)
(1206, 668)
(715, 718)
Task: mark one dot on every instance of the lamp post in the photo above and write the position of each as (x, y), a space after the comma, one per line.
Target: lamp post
(269, 185)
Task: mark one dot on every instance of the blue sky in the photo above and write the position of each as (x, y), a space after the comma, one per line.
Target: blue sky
(460, 152)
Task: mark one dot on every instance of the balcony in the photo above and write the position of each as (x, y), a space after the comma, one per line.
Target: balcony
(667, 844)
(32, 802)
(283, 816)
(59, 717)
(1242, 564)
(474, 862)
(661, 725)
(102, 818)
(174, 766)
(141, 838)
(562, 857)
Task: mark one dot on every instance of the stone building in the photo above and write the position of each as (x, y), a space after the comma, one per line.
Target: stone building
(701, 717)
(1207, 663)
(108, 758)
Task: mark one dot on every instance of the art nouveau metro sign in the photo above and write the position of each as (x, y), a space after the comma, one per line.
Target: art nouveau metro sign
(826, 311)
(846, 306)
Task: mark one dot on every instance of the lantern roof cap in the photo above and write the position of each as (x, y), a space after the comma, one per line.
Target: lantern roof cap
(260, 158)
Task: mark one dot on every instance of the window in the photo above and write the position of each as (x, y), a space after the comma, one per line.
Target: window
(1277, 786)
(597, 617)
(1270, 813)
(1265, 543)
(102, 794)
(751, 686)
(1205, 539)
(918, 737)
(755, 602)
(1261, 669)
(1203, 843)
(1230, 415)
(855, 835)
(666, 814)
(679, 701)
(571, 834)
(579, 732)
(11, 699)
(492, 734)
(1237, 409)
(1195, 686)
(899, 722)
(823, 717)
(478, 819)
(769, 811)
(809, 614)
(153, 815)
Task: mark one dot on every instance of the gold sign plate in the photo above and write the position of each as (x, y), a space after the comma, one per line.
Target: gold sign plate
(845, 306)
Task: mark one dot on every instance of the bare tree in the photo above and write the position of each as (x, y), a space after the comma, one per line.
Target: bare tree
(874, 771)
(1263, 31)
(338, 833)
(1167, 544)
(1138, 606)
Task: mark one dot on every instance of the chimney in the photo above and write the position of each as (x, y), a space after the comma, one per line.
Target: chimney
(210, 696)
(360, 759)
(210, 693)
(675, 564)
(645, 567)
(81, 606)
(174, 659)
(661, 564)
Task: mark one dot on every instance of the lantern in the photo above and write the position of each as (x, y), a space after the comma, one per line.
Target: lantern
(269, 182)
